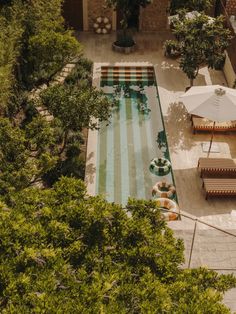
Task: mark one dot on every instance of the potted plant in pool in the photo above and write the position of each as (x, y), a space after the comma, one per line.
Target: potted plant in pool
(125, 42)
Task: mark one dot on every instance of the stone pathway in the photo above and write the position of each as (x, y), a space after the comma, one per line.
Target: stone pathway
(58, 79)
(42, 110)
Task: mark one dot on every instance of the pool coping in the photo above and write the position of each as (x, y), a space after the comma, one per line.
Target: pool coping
(91, 156)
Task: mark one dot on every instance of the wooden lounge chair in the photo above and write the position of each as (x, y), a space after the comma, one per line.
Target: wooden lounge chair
(202, 124)
(219, 187)
(225, 167)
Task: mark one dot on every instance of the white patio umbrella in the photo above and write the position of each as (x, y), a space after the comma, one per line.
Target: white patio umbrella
(214, 102)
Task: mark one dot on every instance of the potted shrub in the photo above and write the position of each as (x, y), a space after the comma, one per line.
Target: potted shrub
(171, 48)
(218, 61)
(125, 42)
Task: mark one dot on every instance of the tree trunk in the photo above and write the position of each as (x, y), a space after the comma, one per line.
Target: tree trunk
(124, 26)
(64, 143)
(125, 17)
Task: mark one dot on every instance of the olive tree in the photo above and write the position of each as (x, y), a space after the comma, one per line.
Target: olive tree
(201, 41)
(46, 46)
(25, 155)
(189, 5)
(76, 108)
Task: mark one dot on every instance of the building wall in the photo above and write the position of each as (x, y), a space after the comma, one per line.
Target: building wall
(231, 7)
(97, 8)
(229, 72)
(154, 16)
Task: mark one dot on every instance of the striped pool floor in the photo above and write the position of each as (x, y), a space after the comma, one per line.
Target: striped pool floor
(127, 145)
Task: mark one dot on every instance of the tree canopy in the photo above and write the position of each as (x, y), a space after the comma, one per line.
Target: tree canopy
(25, 154)
(63, 251)
(189, 5)
(47, 45)
(201, 41)
(77, 108)
(11, 31)
(34, 46)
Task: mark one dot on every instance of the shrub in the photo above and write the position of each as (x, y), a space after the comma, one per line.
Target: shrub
(48, 52)
(81, 74)
(171, 48)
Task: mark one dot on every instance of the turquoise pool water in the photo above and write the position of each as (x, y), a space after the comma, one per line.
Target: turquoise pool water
(133, 138)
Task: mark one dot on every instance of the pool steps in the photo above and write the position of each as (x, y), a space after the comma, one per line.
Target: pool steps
(127, 74)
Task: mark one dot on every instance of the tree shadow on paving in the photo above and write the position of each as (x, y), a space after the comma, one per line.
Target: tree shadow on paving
(178, 125)
(172, 78)
(226, 141)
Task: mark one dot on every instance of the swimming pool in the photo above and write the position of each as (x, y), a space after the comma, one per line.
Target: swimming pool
(134, 137)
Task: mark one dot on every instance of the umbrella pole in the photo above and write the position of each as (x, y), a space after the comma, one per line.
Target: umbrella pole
(212, 135)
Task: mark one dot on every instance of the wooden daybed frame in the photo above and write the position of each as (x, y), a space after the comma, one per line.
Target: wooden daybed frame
(216, 166)
(202, 124)
(219, 187)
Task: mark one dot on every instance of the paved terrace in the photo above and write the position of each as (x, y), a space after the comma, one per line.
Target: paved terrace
(185, 147)
(211, 247)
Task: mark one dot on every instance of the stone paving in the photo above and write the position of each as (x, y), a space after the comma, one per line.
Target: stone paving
(210, 247)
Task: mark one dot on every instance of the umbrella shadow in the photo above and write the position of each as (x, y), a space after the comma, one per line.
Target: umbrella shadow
(178, 125)
(172, 78)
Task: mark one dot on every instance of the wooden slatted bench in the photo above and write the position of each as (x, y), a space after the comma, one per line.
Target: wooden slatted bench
(202, 124)
(217, 166)
(219, 187)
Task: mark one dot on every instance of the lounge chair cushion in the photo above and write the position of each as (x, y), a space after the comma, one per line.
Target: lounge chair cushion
(216, 166)
(202, 124)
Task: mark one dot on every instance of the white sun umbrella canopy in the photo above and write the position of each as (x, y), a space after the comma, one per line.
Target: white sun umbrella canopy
(214, 102)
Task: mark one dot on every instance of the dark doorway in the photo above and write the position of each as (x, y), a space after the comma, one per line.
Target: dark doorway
(219, 7)
(73, 13)
(133, 21)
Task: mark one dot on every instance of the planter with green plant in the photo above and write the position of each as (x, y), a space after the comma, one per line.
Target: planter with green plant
(124, 42)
